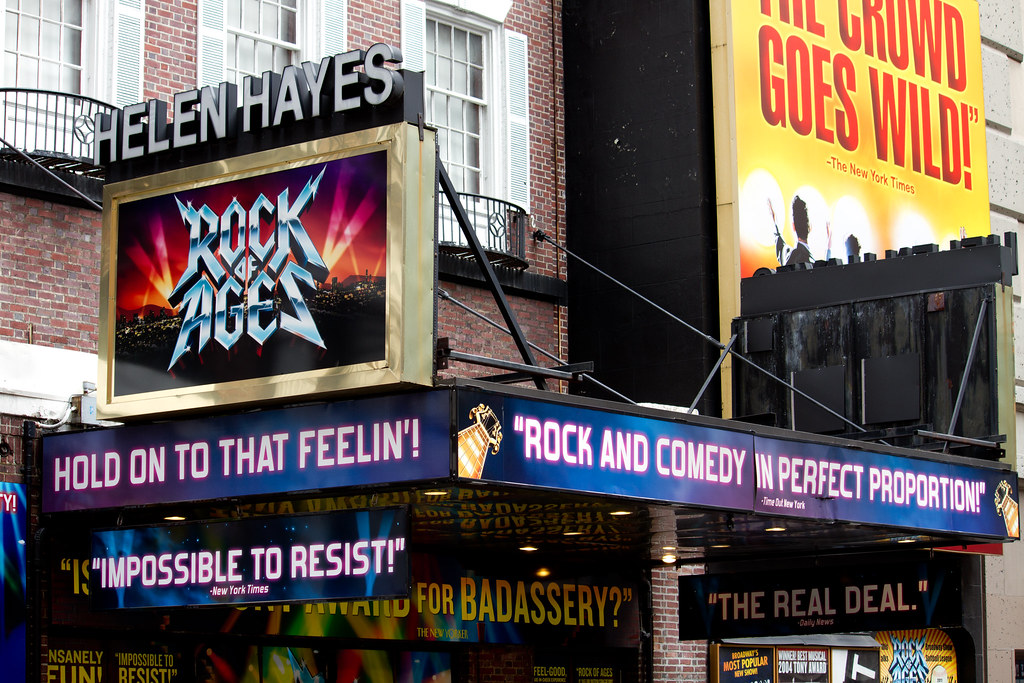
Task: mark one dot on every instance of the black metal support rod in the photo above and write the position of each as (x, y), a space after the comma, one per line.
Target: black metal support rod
(534, 370)
(586, 377)
(967, 369)
(488, 270)
(541, 236)
(56, 177)
(953, 438)
(714, 371)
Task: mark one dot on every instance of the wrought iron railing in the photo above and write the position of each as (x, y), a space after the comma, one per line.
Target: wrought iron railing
(53, 128)
(500, 226)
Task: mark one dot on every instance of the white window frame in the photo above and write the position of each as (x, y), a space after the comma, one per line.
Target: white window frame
(493, 150)
(321, 31)
(90, 29)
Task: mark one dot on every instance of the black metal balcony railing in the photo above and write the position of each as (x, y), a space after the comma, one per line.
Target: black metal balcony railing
(500, 226)
(55, 129)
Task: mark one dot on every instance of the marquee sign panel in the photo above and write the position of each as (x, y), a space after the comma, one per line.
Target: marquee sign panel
(300, 270)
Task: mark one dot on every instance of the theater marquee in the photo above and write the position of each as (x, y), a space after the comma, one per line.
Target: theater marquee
(302, 270)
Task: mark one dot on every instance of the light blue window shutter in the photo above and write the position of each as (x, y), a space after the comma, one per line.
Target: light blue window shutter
(516, 78)
(128, 39)
(335, 26)
(211, 67)
(414, 29)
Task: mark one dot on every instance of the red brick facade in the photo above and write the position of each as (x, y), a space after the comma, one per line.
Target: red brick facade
(674, 660)
(49, 273)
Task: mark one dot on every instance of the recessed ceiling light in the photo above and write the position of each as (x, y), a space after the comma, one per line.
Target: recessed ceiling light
(776, 528)
(435, 493)
(905, 539)
(720, 545)
(668, 558)
(543, 571)
(174, 518)
(573, 533)
(668, 547)
(528, 548)
(619, 513)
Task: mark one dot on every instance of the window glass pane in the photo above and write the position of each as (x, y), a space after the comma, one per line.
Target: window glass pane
(444, 40)
(476, 49)
(12, 4)
(11, 34)
(444, 73)
(30, 7)
(51, 9)
(28, 38)
(457, 176)
(27, 72)
(431, 31)
(269, 23)
(429, 65)
(10, 63)
(290, 3)
(282, 58)
(456, 154)
(473, 118)
(49, 40)
(476, 83)
(234, 15)
(455, 113)
(264, 57)
(459, 77)
(72, 11)
(473, 151)
(49, 75)
(246, 55)
(288, 26)
(72, 51)
(440, 117)
(71, 80)
(251, 15)
(460, 45)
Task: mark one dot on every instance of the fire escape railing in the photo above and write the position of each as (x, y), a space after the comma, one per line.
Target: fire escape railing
(55, 129)
(500, 227)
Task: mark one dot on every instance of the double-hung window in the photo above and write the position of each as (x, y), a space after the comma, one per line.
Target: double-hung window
(476, 94)
(457, 104)
(262, 35)
(42, 45)
(239, 38)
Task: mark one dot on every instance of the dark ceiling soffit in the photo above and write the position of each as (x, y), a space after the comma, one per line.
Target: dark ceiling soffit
(516, 282)
(25, 179)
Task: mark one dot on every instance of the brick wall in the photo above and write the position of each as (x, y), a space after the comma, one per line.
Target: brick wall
(498, 665)
(170, 49)
(469, 334)
(674, 660)
(49, 273)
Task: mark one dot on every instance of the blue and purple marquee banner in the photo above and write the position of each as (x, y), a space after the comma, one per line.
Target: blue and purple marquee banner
(510, 439)
(337, 556)
(13, 575)
(596, 451)
(369, 441)
(819, 481)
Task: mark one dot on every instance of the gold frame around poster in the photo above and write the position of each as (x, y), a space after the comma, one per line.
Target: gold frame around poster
(410, 276)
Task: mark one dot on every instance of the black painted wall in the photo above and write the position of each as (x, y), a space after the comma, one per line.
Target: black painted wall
(640, 201)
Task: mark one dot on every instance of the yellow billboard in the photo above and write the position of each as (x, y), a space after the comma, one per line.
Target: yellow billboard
(859, 127)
